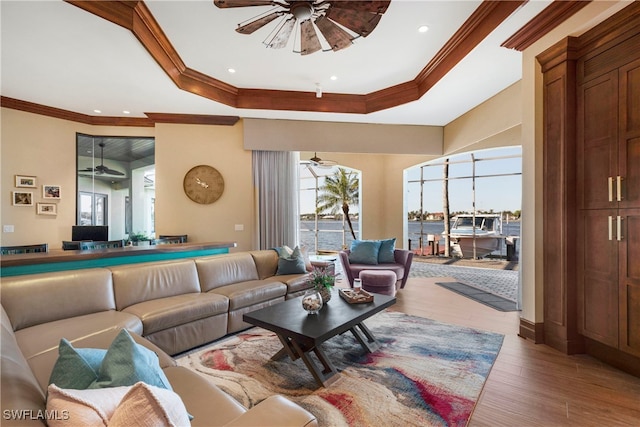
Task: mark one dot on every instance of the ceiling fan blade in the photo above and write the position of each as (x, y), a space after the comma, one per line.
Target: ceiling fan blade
(309, 42)
(379, 7)
(87, 170)
(258, 23)
(112, 172)
(241, 3)
(336, 36)
(282, 36)
(359, 22)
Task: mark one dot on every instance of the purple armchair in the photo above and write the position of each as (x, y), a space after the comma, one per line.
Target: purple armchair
(401, 267)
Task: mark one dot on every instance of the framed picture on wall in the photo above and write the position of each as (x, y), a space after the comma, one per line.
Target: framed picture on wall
(51, 192)
(22, 198)
(47, 209)
(25, 181)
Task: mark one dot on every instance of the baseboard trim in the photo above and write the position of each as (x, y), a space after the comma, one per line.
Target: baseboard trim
(531, 331)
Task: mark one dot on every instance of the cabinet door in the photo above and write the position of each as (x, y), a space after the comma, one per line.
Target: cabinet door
(630, 281)
(598, 276)
(597, 141)
(629, 147)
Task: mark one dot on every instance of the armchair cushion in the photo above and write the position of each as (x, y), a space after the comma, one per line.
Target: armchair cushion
(364, 252)
(386, 253)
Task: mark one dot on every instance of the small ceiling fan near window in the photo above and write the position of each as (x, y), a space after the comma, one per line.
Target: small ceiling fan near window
(317, 161)
(102, 169)
(338, 21)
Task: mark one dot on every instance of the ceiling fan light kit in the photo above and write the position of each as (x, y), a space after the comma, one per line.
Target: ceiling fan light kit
(338, 22)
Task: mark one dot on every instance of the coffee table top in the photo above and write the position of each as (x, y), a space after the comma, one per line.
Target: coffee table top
(289, 319)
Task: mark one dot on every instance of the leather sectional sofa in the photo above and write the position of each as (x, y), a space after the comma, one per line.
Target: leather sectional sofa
(169, 307)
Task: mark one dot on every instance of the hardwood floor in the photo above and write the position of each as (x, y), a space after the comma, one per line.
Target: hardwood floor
(530, 385)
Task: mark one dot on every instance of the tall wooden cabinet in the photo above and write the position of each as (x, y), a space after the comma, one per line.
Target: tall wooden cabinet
(592, 191)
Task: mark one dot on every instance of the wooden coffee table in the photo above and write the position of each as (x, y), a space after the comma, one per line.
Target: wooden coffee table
(301, 333)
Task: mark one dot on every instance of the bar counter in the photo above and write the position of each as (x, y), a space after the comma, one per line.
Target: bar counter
(59, 260)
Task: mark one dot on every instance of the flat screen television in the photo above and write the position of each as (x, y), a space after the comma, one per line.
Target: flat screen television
(98, 233)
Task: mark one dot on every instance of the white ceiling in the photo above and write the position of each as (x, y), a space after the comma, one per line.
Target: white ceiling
(58, 55)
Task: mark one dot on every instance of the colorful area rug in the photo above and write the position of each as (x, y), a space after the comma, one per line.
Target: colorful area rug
(425, 373)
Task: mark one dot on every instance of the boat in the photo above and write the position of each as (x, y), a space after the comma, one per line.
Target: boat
(476, 240)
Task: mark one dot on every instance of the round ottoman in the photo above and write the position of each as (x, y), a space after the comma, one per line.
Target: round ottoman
(379, 281)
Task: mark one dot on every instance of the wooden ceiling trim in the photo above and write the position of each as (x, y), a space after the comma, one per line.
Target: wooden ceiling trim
(144, 26)
(481, 23)
(550, 17)
(118, 12)
(301, 101)
(58, 113)
(193, 119)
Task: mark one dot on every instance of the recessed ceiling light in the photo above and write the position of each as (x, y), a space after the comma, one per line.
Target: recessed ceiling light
(423, 29)
(231, 70)
(97, 111)
(334, 77)
(126, 112)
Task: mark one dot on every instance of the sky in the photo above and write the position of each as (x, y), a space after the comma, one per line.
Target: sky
(501, 193)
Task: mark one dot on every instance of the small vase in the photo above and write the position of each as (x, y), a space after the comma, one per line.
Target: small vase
(312, 301)
(325, 293)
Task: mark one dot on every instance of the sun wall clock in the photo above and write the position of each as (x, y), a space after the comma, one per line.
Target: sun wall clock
(203, 184)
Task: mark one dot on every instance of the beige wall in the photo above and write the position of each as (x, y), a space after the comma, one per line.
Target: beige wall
(46, 148)
(181, 147)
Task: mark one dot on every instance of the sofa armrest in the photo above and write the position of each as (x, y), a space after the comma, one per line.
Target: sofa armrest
(275, 411)
(404, 257)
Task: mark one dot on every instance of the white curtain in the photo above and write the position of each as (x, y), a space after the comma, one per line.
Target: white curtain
(276, 178)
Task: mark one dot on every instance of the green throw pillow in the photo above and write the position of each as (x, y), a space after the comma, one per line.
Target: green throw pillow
(76, 368)
(123, 364)
(291, 264)
(126, 362)
(364, 252)
(386, 252)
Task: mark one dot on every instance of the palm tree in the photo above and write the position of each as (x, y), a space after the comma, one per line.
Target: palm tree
(338, 191)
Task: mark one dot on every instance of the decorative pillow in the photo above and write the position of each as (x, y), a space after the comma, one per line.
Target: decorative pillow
(139, 405)
(364, 252)
(291, 264)
(386, 253)
(76, 368)
(83, 407)
(127, 362)
(145, 405)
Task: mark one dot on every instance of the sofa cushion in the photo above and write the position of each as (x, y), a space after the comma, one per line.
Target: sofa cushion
(137, 283)
(19, 388)
(46, 337)
(163, 313)
(364, 252)
(294, 282)
(386, 254)
(223, 270)
(245, 294)
(34, 299)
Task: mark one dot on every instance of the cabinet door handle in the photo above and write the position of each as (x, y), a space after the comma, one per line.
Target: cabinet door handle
(619, 188)
(610, 188)
(619, 228)
(610, 227)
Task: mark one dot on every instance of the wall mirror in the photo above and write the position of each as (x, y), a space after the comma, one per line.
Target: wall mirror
(116, 184)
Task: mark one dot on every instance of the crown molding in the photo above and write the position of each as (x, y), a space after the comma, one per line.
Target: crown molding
(136, 17)
(149, 121)
(549, 18)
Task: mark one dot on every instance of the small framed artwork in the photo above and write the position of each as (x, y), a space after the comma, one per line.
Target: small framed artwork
(50, 191)
(22, 198)
(25, 181)
(47, 209)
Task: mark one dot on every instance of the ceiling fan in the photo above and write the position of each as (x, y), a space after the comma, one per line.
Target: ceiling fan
(331, 17)
(317, 161)
(102, 169)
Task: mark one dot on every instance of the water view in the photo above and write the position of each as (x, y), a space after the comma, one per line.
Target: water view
(330, 233)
